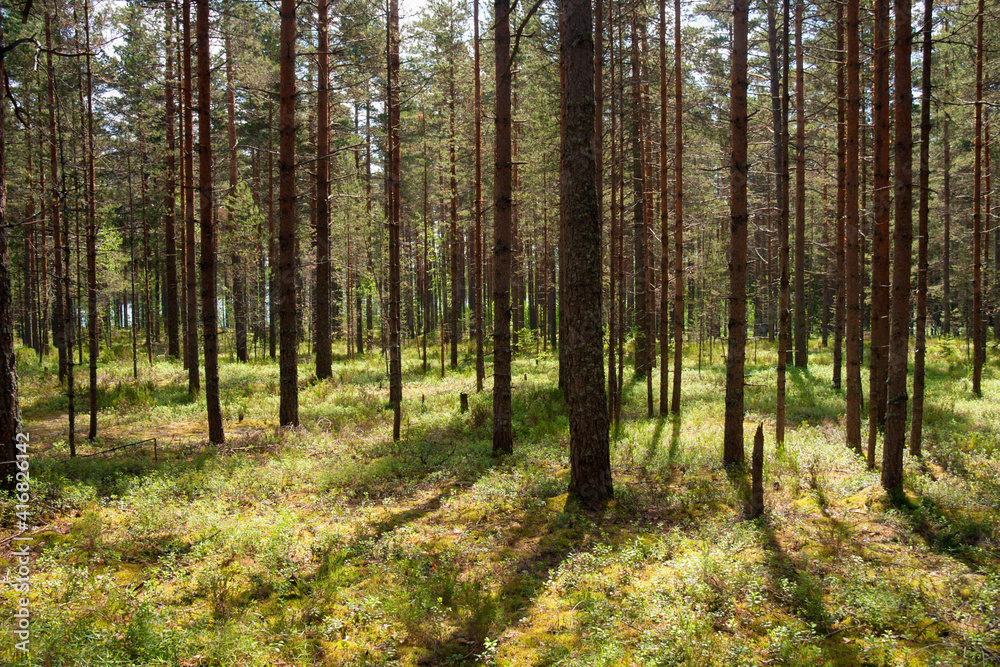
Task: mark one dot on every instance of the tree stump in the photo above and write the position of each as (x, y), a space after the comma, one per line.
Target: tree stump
(757, 472)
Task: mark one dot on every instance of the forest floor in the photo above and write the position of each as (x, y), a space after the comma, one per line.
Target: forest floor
(332, 545)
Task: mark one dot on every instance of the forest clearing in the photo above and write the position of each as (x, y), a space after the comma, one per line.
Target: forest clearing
(330, 544)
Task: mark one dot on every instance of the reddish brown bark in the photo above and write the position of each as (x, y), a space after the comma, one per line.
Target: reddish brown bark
(590, 460)
(902, 242)
(923, 215)
(209, 321)
(881, 194)
(324, 353)
(738, 168)
(288, 410)
(503, 438)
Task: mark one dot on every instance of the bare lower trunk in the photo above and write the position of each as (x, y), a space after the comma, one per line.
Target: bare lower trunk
(590, 460)
(288, 411)
(738, 168)
(503, 439)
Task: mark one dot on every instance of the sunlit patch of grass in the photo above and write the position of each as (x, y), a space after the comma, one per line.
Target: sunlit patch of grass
(331, 544)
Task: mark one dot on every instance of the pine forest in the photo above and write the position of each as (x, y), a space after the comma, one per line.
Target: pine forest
(462, 332)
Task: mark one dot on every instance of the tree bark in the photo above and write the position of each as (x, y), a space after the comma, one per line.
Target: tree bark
(664, 223)
(324, 353)
(288, 410)
(977, 218)
(503, 438)
(738, 168)
(192, 296)
(881, 195)
(801, 316)
(10, 410)
(209, 320)
(678, 314)
(394, 149)
(590, 459)
(852, 268)
(923, 215)
(92, 316)
(902, 242)
(169, 193)
(478, 212)
(840, 242)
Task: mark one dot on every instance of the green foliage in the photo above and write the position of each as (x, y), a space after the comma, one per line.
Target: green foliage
(333, 543)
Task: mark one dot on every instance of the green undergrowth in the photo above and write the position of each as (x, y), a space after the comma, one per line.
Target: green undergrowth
(329, 544)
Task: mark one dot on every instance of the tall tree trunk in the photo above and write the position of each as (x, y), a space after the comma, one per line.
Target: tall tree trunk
(977, 218)
(923, 214)
(288, 411)
(590, 459)
(738, 168)
(209, 321)
(55, 206)
(478, 253)
(675, 402)
(455, 332)
(852, 276)
(92, 316)
(169, 210)
(192, 296)
(503, 437)
(615, 252)
(664, 223)
(239, 280)
(881, 196)
(801, 317)
(10, 409)
(394, 150)
(902, 242)
(778, 213)
(324, 353)
(841, 264)
(272, 257)
(641, 252)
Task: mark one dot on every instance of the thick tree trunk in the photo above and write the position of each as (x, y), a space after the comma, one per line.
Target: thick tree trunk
(92, 316)
(615, 251)
(854, 341)
(738, 168)
(881, 196)
(478, 212)
(209, 321)
(590, 460)
(324, 353)
(977, 218)
(841, 250)
(169, 231)
(664, 223)
(455, 332)
(288, 411)
(801, 316)
(902, 242)
(678, 314)
(639, 240)
(192, 296)
(10, 410)
(503, 438)
(923, 215)
(394, 150)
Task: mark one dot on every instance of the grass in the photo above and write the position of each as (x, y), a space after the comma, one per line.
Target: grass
(332, 545)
